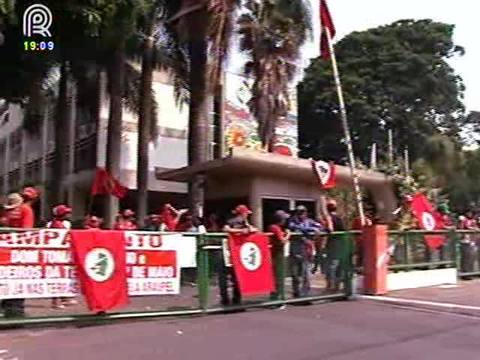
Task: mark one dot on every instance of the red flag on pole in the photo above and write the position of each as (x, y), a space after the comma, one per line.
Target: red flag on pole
(326, 22)
(252, 263)
(325, 173)
(100, 260)
(428, 219)
(104, 183)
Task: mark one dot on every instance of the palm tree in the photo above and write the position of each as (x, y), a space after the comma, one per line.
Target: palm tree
(159, 48)
(272, 33)
(203, 25)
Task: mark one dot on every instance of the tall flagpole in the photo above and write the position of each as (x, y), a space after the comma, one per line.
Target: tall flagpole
(346, 129)
(373, 157)
(390, 148)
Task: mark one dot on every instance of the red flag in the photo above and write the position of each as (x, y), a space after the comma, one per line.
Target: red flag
(252, 263)
(326, 22)
(325, 173)
(428, 219)
(100, 260)
(104, 183)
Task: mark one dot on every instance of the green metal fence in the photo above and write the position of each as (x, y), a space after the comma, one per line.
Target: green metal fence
(409, 250)
(201, 296)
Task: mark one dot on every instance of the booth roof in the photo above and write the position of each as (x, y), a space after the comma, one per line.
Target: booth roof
(251, 163)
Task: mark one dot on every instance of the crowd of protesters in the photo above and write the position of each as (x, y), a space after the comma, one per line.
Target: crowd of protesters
(310, 247)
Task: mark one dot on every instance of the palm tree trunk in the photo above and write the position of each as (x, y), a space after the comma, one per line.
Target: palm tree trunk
(144, 130)
(61, 136)
(114, 136)
(198, 119)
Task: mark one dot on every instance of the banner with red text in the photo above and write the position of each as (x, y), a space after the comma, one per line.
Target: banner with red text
(39, 264)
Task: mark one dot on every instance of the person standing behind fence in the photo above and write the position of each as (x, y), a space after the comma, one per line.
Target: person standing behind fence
(301, 250)
(334, 265)
(19, 214)
(280, 236)
(190, 223)
(239, 224)
(126, 221)
(171, 216)
(61, 220)
(92, 222)
(154, 223)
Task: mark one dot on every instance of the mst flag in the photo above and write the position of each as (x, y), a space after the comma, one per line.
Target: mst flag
(252, 263)
(100, 259)
(326, 22)
(428, 219)
(325, 173)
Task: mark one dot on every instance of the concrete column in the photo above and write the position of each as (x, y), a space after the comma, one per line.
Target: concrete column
(255, 203)
(23, 157)
(43, 164)
(71, 145)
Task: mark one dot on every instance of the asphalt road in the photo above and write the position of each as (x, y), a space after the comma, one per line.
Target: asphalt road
(343, 330)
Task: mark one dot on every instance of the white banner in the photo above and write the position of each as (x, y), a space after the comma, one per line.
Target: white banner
(39, 264)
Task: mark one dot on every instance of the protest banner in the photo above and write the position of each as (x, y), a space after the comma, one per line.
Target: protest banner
(39, 264)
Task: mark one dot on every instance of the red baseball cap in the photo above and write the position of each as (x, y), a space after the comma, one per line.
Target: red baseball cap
(61, 210)
(30, 193)
(242, 210)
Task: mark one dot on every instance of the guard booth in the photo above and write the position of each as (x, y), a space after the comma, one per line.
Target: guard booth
(267, 182)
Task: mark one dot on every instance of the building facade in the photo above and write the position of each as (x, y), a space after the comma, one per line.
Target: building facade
(26, 158)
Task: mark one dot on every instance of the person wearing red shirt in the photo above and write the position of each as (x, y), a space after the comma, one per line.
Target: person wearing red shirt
(19, 214)
(61, 220)
(170, 217)
(126, 221)
(280, 236)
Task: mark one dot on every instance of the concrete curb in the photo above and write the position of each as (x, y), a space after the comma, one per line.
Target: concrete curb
(427, 305)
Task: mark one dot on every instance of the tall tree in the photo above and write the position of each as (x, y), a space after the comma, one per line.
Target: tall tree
(160, 49)
(272, 34)
(395, 76)
(203, 25)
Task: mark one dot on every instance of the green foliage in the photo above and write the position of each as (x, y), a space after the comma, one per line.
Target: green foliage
(394, 76)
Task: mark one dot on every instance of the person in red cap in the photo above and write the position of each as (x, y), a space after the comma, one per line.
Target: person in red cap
(239, 224)
(61, 220)
(19, 214)
(126, 221)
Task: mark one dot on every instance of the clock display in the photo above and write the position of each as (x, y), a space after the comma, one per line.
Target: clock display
(38, 45)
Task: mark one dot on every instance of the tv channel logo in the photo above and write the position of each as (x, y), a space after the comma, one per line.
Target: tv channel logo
(37, 20)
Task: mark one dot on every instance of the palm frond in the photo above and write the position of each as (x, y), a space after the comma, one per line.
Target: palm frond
(222, 17)
(272, 34)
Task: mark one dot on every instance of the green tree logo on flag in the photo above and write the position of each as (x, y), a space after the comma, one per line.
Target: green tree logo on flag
(99, 264)
(250, 256)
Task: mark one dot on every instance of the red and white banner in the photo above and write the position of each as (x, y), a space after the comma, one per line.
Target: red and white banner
(428, 219)
(325, 173)
(252, 263)
(39, 264)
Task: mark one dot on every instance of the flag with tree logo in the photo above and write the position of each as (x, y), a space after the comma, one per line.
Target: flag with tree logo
(100, 260)
(252, 263)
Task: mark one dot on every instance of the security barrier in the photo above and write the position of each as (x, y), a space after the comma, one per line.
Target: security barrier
(409, 250)
(199, 286)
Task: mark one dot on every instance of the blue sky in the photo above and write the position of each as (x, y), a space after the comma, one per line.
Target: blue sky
(358, 15)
